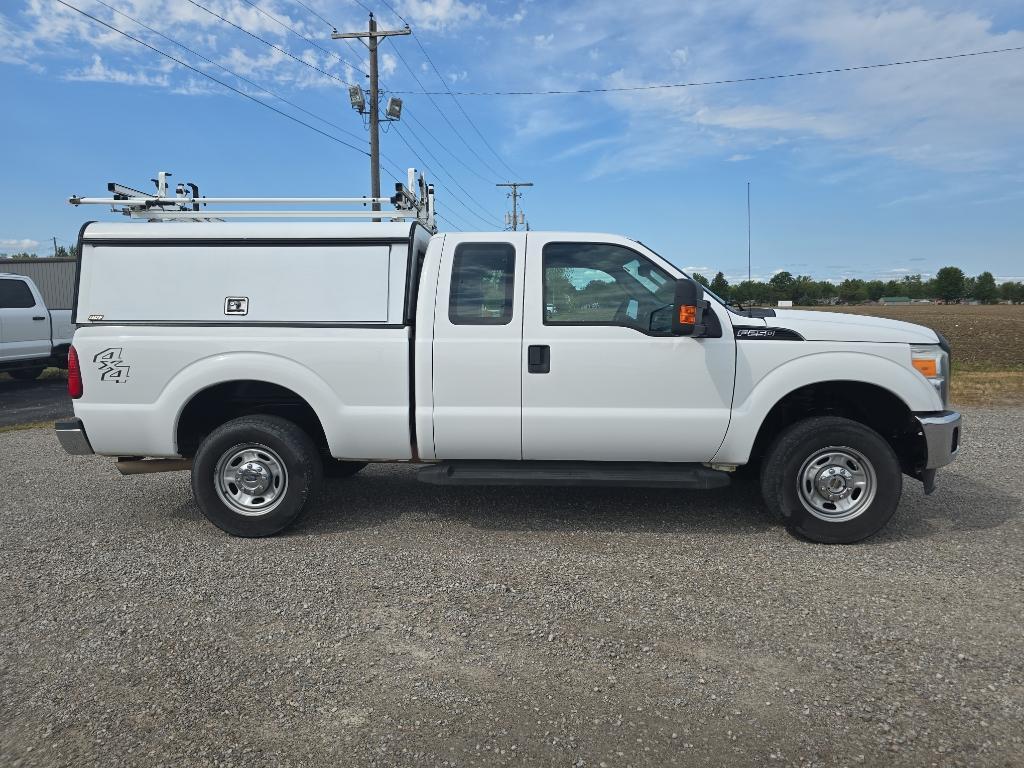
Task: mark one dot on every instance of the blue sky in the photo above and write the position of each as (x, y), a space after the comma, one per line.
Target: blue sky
(869, 174)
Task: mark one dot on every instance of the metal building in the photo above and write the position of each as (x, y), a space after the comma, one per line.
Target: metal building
(55, 278)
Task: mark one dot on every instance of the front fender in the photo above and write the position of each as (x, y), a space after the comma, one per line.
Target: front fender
(757, 395)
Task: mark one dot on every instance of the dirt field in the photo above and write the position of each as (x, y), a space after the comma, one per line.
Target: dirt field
(987, 343)
(983, 338)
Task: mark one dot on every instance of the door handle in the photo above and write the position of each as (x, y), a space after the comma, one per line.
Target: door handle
(538, 358)
(39, 317)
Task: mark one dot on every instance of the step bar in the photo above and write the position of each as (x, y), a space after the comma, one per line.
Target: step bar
(575, 473)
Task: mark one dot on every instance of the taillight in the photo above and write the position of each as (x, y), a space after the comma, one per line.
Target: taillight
(74, 375)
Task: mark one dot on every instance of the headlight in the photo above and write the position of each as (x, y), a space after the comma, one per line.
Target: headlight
(932, 362)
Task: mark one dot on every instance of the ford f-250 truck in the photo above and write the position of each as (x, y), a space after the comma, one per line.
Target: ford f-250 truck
(32, 337)
(265, 355)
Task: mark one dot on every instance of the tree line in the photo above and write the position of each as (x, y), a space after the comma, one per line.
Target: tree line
(950, 285)
(71, 252)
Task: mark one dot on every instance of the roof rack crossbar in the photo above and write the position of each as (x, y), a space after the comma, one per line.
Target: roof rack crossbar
(414, 200)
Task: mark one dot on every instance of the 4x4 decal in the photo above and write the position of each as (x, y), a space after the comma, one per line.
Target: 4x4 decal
(112, 367)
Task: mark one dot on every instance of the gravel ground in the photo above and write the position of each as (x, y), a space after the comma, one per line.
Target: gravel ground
(26, 402)
(402, 624)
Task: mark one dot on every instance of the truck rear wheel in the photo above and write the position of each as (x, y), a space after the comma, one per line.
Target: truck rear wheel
(254, 475)
(27, 374)
(831, 480)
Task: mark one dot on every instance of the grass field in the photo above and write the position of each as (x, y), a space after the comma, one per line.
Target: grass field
(987, 343)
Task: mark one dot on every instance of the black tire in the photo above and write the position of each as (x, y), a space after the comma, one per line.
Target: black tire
(790, 493)
(336, 469)
(27, 374)
(283, 455)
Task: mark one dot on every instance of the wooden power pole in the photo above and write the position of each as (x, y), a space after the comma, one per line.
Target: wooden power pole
(372, 36)
(515, 194)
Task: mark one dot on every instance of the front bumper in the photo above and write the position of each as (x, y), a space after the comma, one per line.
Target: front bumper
(941, 436)
(72, 437)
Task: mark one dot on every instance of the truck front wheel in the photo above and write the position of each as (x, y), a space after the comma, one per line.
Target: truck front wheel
(254, 475)
(832, 480)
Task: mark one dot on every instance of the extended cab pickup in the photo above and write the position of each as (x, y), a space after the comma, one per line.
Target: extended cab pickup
(32, 337)
(264, 355)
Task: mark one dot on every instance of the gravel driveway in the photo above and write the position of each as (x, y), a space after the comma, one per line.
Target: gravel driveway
(27, 402)
(402, 624)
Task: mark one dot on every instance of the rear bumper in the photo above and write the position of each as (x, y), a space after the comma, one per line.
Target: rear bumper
(941, 435)
(72, 437)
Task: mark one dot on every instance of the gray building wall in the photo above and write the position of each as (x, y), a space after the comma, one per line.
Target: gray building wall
(54, 277)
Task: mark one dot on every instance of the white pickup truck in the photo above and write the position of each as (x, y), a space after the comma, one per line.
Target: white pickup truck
(265, 355)
(32, 337)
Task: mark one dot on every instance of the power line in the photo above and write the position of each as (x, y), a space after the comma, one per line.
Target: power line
(469, 197)
(301, 36)
(233, 74)
(441, 112)
(407, 113)
(267, 42)
(325, 21)
(214, 79)
(427, 168)
(457, 104)
(694, 84)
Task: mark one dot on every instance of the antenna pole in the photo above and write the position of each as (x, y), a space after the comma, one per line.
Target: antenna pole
(748, 231)
(515, 194)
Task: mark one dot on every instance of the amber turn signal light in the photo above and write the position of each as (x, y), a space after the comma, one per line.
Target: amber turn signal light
(928, 367)
(687, 314)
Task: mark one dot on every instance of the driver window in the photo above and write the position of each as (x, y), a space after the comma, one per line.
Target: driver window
(603, 284)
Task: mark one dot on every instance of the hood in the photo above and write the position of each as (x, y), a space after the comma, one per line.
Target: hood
(838, 326)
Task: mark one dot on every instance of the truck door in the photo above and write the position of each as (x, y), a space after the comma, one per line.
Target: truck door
(478, 332)
(599, 383)
(24, 321)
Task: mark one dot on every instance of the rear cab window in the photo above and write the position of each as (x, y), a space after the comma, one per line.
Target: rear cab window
(483, 283)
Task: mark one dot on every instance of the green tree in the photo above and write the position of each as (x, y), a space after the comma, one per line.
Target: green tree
(875, 289)
(1012, 292)
(949, 284)
(701, 279)
(853, 291)
(985, 289)
(720, 285)
(782, 285)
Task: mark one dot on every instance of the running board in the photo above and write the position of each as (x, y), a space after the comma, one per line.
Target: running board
(594, 473)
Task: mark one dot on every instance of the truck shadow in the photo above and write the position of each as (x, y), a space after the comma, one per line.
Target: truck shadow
(382, 495)
(960, 504)
(379, 497)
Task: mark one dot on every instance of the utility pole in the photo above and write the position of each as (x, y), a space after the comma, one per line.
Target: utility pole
(55, 247)
(372, 36)
(515, 194)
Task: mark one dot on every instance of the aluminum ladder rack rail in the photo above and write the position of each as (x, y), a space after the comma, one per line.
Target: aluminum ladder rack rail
(186, 204)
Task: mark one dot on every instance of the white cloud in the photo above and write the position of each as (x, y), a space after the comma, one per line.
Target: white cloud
(439, 14)
(958, 116)
(98, 72)
(23, 244)
(737, 158)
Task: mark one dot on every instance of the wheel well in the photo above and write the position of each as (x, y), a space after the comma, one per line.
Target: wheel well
(868, 404)
(221, 403)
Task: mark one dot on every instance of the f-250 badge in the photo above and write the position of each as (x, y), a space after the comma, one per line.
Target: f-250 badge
(112, 367)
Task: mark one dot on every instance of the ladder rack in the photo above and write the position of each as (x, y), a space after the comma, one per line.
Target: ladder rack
(414, 200)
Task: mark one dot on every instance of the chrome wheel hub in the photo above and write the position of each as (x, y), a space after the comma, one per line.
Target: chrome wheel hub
(251, 479)
(836, 484)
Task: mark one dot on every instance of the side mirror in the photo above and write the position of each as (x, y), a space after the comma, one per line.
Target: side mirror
(689, 306)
